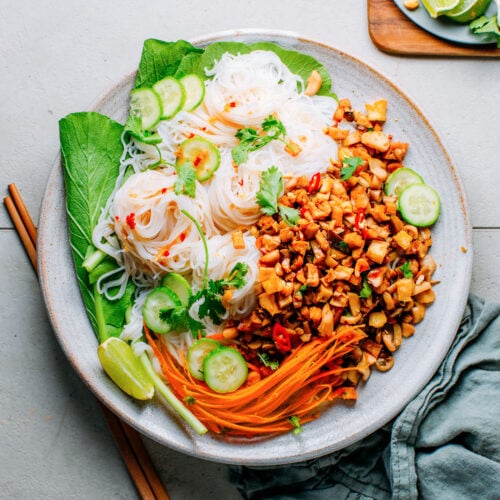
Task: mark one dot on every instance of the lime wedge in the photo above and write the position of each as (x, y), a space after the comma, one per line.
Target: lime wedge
(124, 368)
(439, 7)
(468, 10)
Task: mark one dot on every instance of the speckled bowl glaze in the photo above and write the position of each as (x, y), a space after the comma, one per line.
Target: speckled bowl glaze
(385, 395)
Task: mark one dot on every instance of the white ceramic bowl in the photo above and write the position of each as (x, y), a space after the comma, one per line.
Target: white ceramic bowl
(385, 395)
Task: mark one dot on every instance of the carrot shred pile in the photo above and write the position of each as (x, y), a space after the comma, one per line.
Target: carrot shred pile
(309, 377)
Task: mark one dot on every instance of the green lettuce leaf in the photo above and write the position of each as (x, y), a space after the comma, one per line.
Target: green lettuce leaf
(160, 59)
(91, 149)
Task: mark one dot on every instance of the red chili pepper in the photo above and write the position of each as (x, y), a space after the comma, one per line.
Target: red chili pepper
(281, 338)
(117, 218)
(359, 222)
(182, 237)
(130, 219)
(166, 253)
(314, 183)
(197, 160)
(163, 190)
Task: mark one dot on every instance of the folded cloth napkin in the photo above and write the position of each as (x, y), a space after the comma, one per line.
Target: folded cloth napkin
(444, 445)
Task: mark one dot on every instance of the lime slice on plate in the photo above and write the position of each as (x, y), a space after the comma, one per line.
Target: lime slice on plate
(468, 10)
(124, 368)
(439, 7)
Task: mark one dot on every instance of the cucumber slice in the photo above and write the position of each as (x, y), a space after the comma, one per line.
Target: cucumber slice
(225, 370)
(195, 91)
(146, 103)
(401, 178)
(196, 355)
(179, 285)
(157, 303)
(202, 154)
(172, 96)
(419, 205)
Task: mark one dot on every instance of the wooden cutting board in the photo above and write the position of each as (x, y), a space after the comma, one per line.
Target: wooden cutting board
(391, 31)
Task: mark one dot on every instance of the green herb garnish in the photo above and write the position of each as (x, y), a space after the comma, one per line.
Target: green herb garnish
(295, 421)
(186, 180)
(271, 187)
(267, 361)
(351, 164)
(212, 294)
(405, 269)
(340, 245)
(251, 140)
(366, 290)
(485, 25)
(213, 290)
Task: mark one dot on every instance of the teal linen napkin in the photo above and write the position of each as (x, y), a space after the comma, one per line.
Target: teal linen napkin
(444, 445)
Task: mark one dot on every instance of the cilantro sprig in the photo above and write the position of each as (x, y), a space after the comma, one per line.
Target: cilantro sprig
(487, 26)
(270, 189)
(212, 291)
(186, 180)
(251, 140)
(351, 164)
(406, 270)
(267, 361)
(211, 295)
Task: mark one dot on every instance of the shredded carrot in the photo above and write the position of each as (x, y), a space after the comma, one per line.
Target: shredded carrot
(305, 380)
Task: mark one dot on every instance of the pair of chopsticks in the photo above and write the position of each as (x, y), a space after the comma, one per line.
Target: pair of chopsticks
(127, 439)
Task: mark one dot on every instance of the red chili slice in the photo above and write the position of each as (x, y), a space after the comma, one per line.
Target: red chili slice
(281, 338)
(314, 183)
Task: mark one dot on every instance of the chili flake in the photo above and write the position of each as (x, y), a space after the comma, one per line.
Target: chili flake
(130, 219)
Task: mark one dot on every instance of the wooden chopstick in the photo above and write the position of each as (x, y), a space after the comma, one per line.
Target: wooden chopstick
(23, 212)
(127, 439)
(26, 240)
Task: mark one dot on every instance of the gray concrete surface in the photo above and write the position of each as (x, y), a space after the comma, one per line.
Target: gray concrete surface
(58, 57)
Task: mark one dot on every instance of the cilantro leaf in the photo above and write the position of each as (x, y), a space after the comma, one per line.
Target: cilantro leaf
(180, 320)
(267, 361)
(340, 245)
(271, 186)
(288, 214)
(236, 277)
(239, 154)
(405, 269)
(273, 127)
(366, 290)
(189, 400)
(351, 164)
(251, 140)
(212, 295)
(212, 304)
(247, 135)
(485, 25)
(186, 180)
(295, 421)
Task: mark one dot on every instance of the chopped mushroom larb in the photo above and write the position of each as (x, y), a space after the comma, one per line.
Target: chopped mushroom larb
(349, 261)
